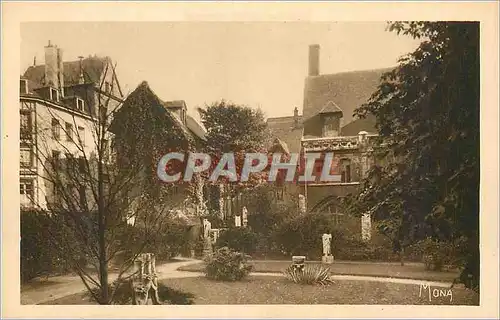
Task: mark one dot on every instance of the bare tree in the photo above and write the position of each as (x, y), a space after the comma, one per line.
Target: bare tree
(98, 187)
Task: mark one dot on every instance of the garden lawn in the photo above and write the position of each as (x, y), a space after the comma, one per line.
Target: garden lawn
(278, 290)
(393, 270)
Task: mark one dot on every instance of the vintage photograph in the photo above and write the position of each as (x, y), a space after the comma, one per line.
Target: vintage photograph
(249, 163)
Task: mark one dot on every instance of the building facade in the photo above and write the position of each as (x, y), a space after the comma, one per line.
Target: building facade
(60, 103)
(327, 124)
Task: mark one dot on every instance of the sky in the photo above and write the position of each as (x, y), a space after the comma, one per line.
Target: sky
(259, 64)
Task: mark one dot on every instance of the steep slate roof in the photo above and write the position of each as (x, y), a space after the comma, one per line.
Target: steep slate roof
(93, 68)
(353, 128)
(347, 90)
(190, 130)
(284, 129)
(195, 127)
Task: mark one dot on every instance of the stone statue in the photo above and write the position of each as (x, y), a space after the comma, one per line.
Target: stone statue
(237, 221)
(327, 244)
(244, 216)
(302, 203)
(207, 226)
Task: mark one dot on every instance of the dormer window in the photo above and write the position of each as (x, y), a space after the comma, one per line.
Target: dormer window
(80, 104)
(331, 126)
(23, 88)
(54, 94)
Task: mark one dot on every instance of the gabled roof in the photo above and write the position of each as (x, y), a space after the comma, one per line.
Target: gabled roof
(346, 90)
(147, 96)
(93, 69)
(279, 145)
(330, 107)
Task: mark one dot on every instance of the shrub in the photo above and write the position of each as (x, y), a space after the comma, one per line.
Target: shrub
(437, 254)
(238, 239)
(310, 275)
(41, 241)
(227, 265)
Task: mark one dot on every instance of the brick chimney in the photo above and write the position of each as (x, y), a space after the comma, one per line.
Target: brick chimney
(51, 65)
(60, 71)
(314, 60)
(296, 117)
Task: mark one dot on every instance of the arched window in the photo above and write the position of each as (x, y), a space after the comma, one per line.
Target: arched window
(335, 209)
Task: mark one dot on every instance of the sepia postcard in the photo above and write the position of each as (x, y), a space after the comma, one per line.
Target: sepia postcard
(253, 159)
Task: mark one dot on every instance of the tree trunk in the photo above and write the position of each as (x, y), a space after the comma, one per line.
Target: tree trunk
(103, 264)
(401, 256)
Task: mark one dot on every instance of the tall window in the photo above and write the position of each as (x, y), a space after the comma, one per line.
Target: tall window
(26, 157)
(56, 129)
(337, 215)
(81, 135)
(25, 124)
(83, 197)
(56, 159)
(26, 191)
(23, 86)
(80, 105)
(345, 170)
(54, 94)
(82, 166)
(69, 131)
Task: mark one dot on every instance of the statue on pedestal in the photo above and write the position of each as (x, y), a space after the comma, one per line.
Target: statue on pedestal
(327, 248)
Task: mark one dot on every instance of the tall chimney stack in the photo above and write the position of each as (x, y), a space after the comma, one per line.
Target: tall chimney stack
(314, 60)
(296, 117)
(51, 66)
(60, 71)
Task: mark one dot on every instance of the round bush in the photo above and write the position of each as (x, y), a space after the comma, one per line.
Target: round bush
(227, 265)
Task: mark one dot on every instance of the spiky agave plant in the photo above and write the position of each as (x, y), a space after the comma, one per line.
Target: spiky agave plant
(310, 274)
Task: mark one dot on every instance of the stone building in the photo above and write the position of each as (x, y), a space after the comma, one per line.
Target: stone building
(59, 105)
(327, 124)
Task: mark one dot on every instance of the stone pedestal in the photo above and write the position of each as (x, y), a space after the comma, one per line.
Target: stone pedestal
(327, 259)
(366, 227)
(298, 262)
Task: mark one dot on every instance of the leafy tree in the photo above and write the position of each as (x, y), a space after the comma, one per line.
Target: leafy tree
(238, 129)
(426, 181)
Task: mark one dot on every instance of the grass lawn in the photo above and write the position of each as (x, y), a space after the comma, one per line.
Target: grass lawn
(395, 270)
(277, 290)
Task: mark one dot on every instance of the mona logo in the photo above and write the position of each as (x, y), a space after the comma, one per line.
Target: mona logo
(426, 290)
